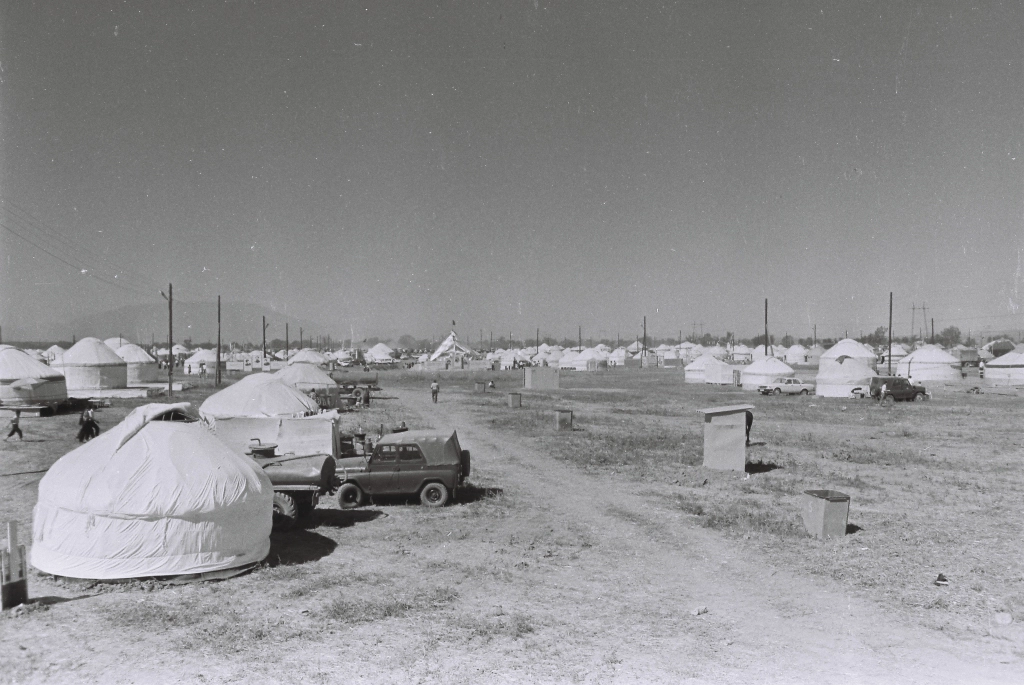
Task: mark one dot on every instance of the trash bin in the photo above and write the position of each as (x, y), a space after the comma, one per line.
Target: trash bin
(725, 437)
(563, 419)
(479, 387)
(515, 400)
(826, 513)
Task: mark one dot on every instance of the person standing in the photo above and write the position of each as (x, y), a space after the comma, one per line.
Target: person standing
(750, 422)
(434, 389)
(15, 426)
(981, 369)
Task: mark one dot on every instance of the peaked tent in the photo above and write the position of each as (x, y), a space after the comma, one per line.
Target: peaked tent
(847, 348)
(379, 354)
(718, 372)
(28, 381)
(92, 365)
(151, 497)
(142, 368)
(797, 354)
(450, 348)
(260, 394)
(202, 358)
(764, 371)
(839, 380)
(53, 351)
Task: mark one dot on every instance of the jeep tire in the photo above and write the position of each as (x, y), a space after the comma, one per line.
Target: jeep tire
(434, 495)
(349, 496)
(286, 512)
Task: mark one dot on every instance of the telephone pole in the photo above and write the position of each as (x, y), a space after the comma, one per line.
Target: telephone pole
(890, 333)
(287, 345)
(264, 342)
(170, 336)
(217, 375)
(766, 353)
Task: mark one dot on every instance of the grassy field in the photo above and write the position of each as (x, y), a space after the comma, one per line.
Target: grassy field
(501, 584)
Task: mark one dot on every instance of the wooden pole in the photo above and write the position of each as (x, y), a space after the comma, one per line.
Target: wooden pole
(170, 337)
(766, 353)
(217, 376)
(890, 333)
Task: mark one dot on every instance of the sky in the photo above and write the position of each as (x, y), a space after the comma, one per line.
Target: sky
(389, 167)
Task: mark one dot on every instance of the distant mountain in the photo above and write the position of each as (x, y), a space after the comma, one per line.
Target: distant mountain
(197, 321)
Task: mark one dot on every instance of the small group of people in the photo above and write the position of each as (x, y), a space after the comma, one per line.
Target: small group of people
(89, 429)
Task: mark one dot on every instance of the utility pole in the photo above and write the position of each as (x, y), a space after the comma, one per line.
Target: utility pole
(933, 331)
(644, 351)
(492, 342)
(581, 337)
(287, 345)
(890, 333)
(538, 340)
(300, 337)
(217, 375)
(924, 315)
(815, 334)
(766, 352)
(913, 315)
(170, 335)
(264, 341)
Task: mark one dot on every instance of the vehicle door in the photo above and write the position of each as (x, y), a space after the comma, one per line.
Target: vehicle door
(382, 470)
(412, 468)
(792, 386)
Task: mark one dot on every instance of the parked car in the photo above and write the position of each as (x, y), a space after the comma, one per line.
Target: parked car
(789, 386)
(299, 481)
(428, 463)
(897, 389)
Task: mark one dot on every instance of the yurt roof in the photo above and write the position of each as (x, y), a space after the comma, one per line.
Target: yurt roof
(307, 374)
(16, 365)
(849, 369)
(796, 349)
(179, 349)
(133, 354)
(848, 348)
(769, 366)
(1008, 359)
(203, 356)
(116, 343)
(90, 352)
(704, 361)
(257, 395)
(151, 497)
(930, 354)
(308, 356)
(55, 349)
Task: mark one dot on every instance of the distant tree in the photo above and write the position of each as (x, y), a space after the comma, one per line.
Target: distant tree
(949, 337)
(407, 342)
(787, 340)
(879, 337)
(759, 340)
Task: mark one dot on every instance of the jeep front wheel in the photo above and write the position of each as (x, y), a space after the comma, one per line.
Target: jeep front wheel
(286, 512)
(888, 401)
(349, 496)
(434, 495)
(920, 397)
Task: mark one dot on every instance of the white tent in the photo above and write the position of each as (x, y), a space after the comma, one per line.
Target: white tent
(777, 351)
(53, 351)
(260, 394)
(451, 348)
(179, 350)
(28, 381)
(839, 379)
(201, 358)
(116, 343)
(741, 353)
(305, 377)
(764, 371)
(142, 368)
(847, 348)
(718, 372)
(617, 357)
(151, 497)
(1005, 370)
(929, 363)
(694, 372)
(92, 365)
(797, 354)
(380, 354)
(309, 356)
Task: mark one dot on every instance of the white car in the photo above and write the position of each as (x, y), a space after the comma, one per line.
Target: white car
(789, 386)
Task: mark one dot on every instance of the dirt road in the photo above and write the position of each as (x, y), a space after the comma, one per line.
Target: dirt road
(620, 573)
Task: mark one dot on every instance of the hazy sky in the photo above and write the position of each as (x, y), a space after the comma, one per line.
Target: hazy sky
(512, 165)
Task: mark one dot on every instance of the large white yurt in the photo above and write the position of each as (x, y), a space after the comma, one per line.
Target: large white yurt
(846, 347)
(151, 497)
(305, 377)
(839, 380)
(257, 395)
(201, 359)
(764, 371)
(929, 363)
(797, 354)
(718, 372)
(741, 353)
(142, 368)
(92, 365)
(28, 381)
(1005, 370)
(695, 370)
(380, 354)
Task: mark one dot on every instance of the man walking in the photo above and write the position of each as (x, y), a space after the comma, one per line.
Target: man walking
(15, 427)
(434, 389)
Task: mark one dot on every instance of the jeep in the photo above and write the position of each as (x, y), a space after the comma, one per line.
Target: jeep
(897, 389)
(427, 463)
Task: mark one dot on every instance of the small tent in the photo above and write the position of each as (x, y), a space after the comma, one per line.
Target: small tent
(142, 368)
(718, 372)
(846, 348)
(839, 379)
(694, 372)
(92, 365)
(28, 381)
(380, 354)
(151, 497)
(200, 360)
(929, 363)
(797, 354)
(764, 371)
(451, 349)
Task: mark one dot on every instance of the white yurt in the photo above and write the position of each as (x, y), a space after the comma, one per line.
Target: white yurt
(305, 377)
(847, 348)
(151, 497)
(759, 352)
(28, 381)
(839, 380)
(309, 356)
(695, 370)
(142, 368)
(764, 371)
(1005, 370)
(741, 353)
(718, 372)
(929, 363)
(53, 351)
(257, 395)
(116, 343)
(797, 354)
(201, 359)
(92, 365)
(716, 351)
(617, 357)
(380, 354)
(568, 359)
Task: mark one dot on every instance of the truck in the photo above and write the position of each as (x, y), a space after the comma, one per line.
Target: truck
(430, 464)
(299, 481)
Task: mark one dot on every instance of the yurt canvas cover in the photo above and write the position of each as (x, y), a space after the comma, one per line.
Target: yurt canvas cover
(148, 498)
(839, 380)
(929, 363)
(92, 365)
(764, 371)
(260, 394)
(142, 368)
(27, 381)
(305, 377)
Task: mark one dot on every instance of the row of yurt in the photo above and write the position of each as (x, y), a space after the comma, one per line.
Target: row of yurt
(153, 496)
(28, 381)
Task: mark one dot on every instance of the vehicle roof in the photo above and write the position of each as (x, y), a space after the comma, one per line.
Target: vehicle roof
(438, 446)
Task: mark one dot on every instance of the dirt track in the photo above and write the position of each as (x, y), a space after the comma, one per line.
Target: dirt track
(627, 601)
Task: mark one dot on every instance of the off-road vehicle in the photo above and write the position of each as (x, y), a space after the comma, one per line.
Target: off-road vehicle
(428, 463)
(897, 389)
